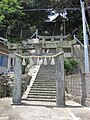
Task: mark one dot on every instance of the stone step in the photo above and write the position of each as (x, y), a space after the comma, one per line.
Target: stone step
(43, 89)
(44, 72)
(42, 75)
(41, 99)
(45, 80)
(44, 85)
(45, 92)
(42, 94)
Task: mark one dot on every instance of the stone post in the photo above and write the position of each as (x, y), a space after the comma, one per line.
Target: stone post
(17, 81)
(38, 48)
(59, 48)
(52, 39)
(60, 88)
(9, 63)
(13, 61)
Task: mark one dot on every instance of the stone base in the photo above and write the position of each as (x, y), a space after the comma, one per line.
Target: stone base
(86, 102)
(79, 99)
(16, 103)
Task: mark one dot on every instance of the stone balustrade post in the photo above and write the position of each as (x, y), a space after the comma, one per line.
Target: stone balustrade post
(52, 39)
(38, 48)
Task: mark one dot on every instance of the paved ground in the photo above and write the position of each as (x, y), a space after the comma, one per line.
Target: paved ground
(40, 111)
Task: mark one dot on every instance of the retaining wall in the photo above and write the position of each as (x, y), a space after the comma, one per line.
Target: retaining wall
(6, 85)
(78, 85)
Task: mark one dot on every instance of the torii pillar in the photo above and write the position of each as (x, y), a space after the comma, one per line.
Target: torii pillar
(60, 85)
(17, 81)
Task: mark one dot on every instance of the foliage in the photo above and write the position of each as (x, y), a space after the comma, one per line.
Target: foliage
(10, 18)
(79, 33)
(16, 16)
(70, 66)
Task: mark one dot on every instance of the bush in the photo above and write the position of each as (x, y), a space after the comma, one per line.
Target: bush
(70, 65)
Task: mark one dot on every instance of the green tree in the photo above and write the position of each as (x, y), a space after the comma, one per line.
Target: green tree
(16, 16)
(10, 17)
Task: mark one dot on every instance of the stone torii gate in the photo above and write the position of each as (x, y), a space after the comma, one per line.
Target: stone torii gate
(60, 89)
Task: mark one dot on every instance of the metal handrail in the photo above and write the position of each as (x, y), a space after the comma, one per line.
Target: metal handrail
(75, 38)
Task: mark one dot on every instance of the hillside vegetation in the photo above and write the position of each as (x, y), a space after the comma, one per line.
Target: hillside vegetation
(20, 18)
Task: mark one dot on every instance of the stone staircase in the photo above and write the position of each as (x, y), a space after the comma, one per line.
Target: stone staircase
(44, 87)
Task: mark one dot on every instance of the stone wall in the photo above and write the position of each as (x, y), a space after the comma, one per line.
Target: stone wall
(73, 84)
(78, 53)
(78, 85)
(6, 85)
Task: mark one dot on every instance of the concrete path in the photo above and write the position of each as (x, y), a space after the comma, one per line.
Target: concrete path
(40, 111)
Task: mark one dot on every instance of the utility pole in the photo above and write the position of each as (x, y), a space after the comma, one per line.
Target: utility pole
(86, 58)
